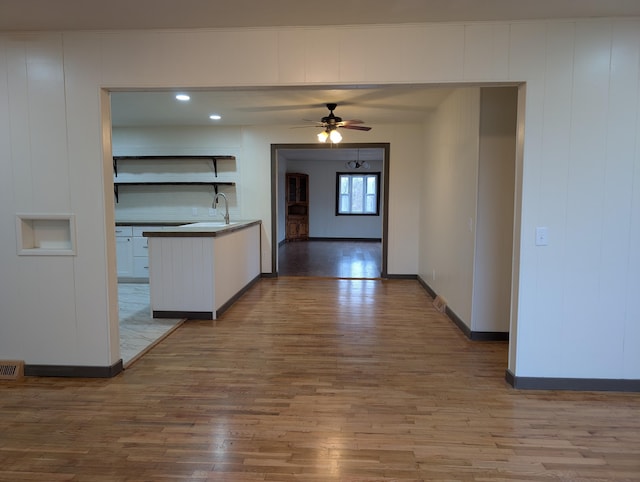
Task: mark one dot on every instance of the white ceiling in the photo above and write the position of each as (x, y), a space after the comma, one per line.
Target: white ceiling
(147, 14)
(289, 107)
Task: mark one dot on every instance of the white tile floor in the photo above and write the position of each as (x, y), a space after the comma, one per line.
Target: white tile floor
(138, 330)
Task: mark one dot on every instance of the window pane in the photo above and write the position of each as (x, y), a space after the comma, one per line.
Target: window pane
(371, 204)
(344, 204)
(371, 184)
(344, 184)
(357, 194)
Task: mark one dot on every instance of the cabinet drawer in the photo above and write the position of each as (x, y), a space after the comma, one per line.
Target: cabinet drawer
(124, 231)
(141, 246)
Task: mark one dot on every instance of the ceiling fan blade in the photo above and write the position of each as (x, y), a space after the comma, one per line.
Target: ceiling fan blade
(351, 121)
(356, 128)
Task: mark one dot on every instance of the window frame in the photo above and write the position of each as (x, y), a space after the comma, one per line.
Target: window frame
(358, 174)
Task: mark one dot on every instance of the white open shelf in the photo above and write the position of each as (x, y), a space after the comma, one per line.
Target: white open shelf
(46, 234)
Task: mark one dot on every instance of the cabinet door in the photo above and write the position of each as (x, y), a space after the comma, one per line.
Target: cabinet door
(303, 187)
(140, 267)
(292, 189)
(292, 230)
(124, 255)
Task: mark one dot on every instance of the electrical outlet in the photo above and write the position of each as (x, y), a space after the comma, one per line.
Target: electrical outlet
(213, 212)
(194, 211)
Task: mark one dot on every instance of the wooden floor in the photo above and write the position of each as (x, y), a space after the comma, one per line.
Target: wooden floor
(316, 380)
(333, 259)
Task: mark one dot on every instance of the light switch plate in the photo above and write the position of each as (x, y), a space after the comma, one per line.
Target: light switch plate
(542, 236)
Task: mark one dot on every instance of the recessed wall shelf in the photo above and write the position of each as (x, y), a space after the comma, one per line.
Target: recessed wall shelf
(46, 234)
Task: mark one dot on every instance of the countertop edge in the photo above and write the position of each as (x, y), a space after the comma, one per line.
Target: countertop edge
(199, 232)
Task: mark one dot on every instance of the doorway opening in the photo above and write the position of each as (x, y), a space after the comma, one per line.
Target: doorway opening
(351, 247)
(449, 221)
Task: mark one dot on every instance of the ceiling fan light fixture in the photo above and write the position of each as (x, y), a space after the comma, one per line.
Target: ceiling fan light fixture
(331, 122)
(357, 164)
(335, 136)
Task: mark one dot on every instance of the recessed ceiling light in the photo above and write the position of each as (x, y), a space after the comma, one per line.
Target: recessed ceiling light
(183, 97)
(215, 117)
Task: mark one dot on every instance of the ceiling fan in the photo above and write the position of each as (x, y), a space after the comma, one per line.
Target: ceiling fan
(331, 123)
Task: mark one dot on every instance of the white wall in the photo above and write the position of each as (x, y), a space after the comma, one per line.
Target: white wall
(323, 222)
(466, 232)
(448, 221)
(579, 165)
(580, 171)
(175, 203)
(491, 305)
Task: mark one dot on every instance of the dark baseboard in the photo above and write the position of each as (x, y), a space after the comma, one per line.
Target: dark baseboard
(577, 384)
(401, 276)
(472, 335)
(284, 241)
(462, 326)
(235, 297)
(123, 279)
(269, 275)
(427, 288)
(73, 371)
(371, 240)
(190, 315)
(489, 336)
(208, 315)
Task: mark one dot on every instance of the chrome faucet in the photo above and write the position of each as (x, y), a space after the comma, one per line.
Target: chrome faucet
(226, 206)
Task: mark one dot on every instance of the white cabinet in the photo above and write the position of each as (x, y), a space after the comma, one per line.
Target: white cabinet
(124, 251)
(132, 252)
(141, 252)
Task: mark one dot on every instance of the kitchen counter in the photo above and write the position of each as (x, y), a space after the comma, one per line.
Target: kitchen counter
(200, 229)
(198, 270)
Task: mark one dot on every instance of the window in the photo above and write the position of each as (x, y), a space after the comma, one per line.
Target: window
(357, 194)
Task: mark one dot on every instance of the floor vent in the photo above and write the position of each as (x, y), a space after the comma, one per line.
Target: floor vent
(11, 370)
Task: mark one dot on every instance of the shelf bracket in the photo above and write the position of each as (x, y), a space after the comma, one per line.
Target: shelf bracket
(115, 166)
(214, 161)
(116, 192)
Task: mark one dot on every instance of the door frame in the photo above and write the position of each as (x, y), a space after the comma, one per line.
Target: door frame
(385, 146)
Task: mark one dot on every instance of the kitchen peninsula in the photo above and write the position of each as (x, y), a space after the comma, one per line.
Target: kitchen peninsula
(198, 270)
